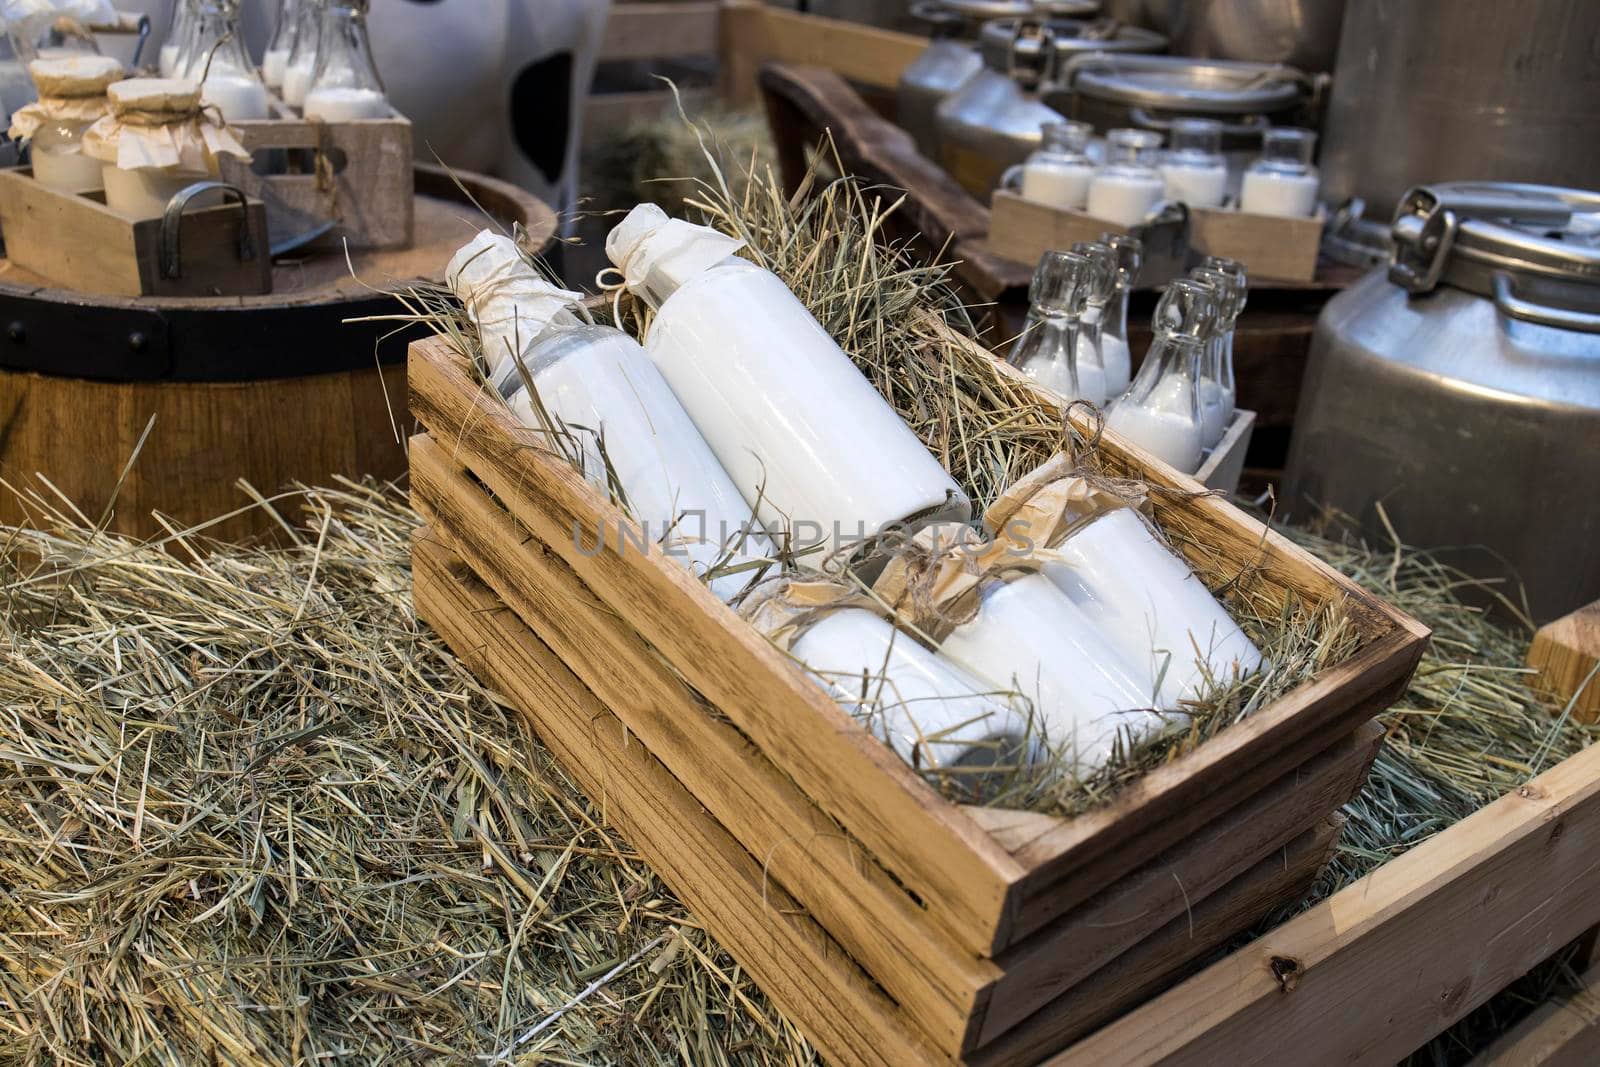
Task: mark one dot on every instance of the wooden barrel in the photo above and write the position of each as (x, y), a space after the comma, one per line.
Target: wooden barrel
(145, 413)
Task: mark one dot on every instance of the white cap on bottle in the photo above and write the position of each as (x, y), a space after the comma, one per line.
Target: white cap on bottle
(511, 302)
(658, 253)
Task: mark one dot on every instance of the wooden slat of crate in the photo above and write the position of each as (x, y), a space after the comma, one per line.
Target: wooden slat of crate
(941, 986)
(1073, 950)
(372, 195)
(661, 30)
(943, 989)
(1562, 1032)
(823, 991)
(961, 874)
(1565, 653)
(1162, 958)
(1389, 962)
(753, 34)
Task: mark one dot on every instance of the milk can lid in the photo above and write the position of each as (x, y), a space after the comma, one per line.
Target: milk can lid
(1178, 83)
(1535, 249)
(1072, 37)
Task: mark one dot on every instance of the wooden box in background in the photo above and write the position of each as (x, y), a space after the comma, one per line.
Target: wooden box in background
(356, 174)
(1023, 230)
(1272, 247)
(77, 242)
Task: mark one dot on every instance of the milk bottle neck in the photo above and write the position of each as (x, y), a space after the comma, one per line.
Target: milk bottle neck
(657, 255)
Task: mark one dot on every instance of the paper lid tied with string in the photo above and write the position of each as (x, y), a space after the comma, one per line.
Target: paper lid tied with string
(72, 89)
(160, 123)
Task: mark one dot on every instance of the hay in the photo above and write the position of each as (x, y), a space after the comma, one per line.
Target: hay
(252, 812)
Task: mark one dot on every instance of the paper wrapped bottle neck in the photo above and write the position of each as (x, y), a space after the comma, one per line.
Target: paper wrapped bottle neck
(509, 301)
(670, 255)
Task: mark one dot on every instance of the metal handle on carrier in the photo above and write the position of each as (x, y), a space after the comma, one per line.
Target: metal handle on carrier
(172, 224)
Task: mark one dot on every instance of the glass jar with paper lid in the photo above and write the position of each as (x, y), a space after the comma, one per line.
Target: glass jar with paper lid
(156, 141)
(345, 85)
(72, 96)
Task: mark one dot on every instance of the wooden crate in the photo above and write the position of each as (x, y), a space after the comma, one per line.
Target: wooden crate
(1270, 246)
(1023, 230)
(1378, 969)
(1224, 466)
(79, 243)
(970, 921)
(356, 174)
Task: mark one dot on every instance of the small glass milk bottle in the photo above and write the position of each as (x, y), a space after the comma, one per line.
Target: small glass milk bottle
(275, 61)
(1217, 394)
(1129, 186)
(1194, 171)
(180, 31)
(1282, 181)
(303, 54)
(1059, 173)
(1047, 348)
(1092, 377)
(231, 84)
(345, 85)
(1114, 352)
(72, 96)
(1161, 410)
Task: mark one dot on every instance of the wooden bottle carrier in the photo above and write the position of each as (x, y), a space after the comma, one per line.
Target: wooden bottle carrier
(76, 241)
(891, 925)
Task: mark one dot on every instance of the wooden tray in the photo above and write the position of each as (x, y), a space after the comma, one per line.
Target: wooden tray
(77, 242)
(961, 915)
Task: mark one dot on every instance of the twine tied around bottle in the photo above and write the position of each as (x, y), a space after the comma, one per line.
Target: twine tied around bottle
(934, 580)
(783, 608)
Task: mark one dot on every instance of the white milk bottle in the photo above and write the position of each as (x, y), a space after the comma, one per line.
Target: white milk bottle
(808, 440)
(603, 405)
(1282, 181)
(231, 83)
(1151, 608)
(932, 712)
(1094, 377)
(1028, 636)
(1049, 347)
(1160, 412)
(1129, 187)
(1194, 170)
(276, 58)
(1059, 172)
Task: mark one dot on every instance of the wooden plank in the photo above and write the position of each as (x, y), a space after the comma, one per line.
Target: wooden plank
(1378, 969)
(1272, 247)
(1158, 961)
(1072, 950)
(753, 34)
(661, 30)
(1024, 230)
(790, 956)
(84, 245)
(1564, 1032)
(934, 848)
(941, 987)
(1565, 654)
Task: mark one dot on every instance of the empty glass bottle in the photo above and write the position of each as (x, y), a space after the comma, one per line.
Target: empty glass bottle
(1060, 171)
(1161, 410)
(303, 53)
(275, 61)
(228, 80)
(344, 84)
(1114, 352)
(1194, 170)
(1046, 350)
(1129, 186)
(1282, 181)
(1092, 377)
